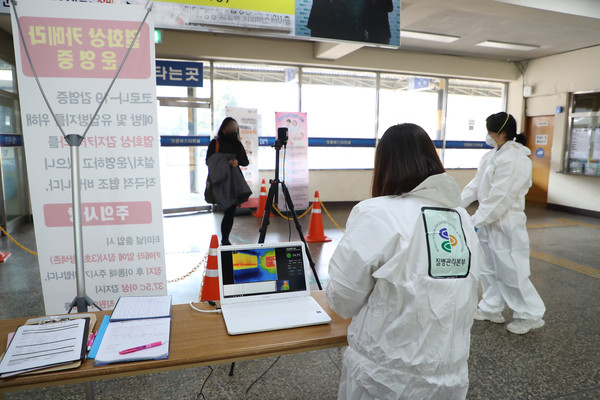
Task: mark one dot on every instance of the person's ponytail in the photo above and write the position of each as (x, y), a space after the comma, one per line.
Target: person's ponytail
(521, 138)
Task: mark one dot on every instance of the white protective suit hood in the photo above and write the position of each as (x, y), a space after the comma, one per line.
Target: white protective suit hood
(410, 333)
(440, 188)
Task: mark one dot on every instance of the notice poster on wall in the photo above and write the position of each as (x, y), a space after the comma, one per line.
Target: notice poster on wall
(247, 119)
(76, 50)
(580, 143)
(596, 145)
(293, 159)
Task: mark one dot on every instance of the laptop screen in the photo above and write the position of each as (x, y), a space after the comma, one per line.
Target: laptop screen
(262, 269)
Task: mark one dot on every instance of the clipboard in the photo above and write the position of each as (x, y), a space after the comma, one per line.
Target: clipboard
(56, 318)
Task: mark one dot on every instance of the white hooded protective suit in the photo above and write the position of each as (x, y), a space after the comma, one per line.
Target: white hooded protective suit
(410, 333)
(500, 185)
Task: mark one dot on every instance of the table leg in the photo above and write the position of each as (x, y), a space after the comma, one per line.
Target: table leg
(89, 390)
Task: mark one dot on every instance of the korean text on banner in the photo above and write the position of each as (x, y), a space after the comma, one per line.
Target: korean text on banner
(295, 165)
(76, 50)
(247, 119)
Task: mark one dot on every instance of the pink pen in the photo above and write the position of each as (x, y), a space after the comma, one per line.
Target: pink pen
(146, 346)
(90, 341)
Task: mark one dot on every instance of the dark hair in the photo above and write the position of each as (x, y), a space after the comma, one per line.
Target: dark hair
(405, 157)
(504, 122)
(226, 121)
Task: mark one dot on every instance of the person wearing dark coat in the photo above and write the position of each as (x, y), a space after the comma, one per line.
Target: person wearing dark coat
(224, 157)
(377, 22)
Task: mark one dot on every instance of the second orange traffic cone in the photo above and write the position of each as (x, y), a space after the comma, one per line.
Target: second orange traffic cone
(262, 202)
(210, 281)
(315, 226)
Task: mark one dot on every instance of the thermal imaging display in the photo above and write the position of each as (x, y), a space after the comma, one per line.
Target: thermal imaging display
(254, 266)
(253, 271)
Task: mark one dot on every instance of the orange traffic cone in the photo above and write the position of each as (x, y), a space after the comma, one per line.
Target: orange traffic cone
(315, 226)
(262, 202)
(210, 281)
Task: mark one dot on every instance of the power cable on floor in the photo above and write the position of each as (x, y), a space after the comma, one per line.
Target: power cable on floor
(256, 380)
(214, 379)
(204, 383)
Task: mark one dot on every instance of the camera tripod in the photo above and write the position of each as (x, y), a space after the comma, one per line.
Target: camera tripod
(273, 196)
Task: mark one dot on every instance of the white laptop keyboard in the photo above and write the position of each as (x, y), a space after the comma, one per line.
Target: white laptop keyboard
(279, 307)
(272, 315)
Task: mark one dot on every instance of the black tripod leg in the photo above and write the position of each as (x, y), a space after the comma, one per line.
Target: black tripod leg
(82, 304)
(290, 204)
(231, 369)
(268, 209)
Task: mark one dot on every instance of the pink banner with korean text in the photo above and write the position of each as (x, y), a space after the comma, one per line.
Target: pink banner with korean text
(247, 119)
(294, 159)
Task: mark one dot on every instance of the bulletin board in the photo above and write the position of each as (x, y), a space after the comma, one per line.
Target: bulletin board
(582, 152)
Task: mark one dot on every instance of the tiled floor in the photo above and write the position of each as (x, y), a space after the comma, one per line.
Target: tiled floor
(559, 361)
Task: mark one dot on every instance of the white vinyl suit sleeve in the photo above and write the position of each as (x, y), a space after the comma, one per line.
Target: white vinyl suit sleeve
(505, 185)
(469, 193)
(354, 261)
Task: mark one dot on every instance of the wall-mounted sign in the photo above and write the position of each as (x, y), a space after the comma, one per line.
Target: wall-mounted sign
(375, 22)
(369, 22)
(541, 139)
(179, 73)
(539, 153)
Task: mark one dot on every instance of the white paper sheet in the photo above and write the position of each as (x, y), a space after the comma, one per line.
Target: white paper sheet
(38, 346)
(122, 335)
(136, 307)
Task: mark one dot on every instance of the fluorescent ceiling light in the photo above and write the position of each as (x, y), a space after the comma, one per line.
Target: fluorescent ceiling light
(507, 46)
(583, 8)
(432, 37)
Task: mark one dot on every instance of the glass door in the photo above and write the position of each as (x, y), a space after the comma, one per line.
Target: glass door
(184, 123)
(15, 207)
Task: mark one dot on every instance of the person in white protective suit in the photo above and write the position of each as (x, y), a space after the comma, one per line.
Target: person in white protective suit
(407, 272)
(500, 185)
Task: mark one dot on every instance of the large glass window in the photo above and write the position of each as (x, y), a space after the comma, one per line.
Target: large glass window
(411, 99)
(7, 77)
(266, 88)
(339, 104)
(184, 111)
(469, 104)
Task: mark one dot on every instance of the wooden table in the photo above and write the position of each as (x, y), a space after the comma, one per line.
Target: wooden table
(197, 339)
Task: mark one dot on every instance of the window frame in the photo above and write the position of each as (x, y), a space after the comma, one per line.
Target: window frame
(340, 143)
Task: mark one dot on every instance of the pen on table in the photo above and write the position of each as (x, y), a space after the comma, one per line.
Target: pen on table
(91, 339)
(138, 348)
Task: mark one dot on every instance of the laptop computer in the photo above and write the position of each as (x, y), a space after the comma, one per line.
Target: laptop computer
(265, 287)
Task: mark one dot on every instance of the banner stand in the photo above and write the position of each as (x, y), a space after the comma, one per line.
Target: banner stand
(81, 301)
